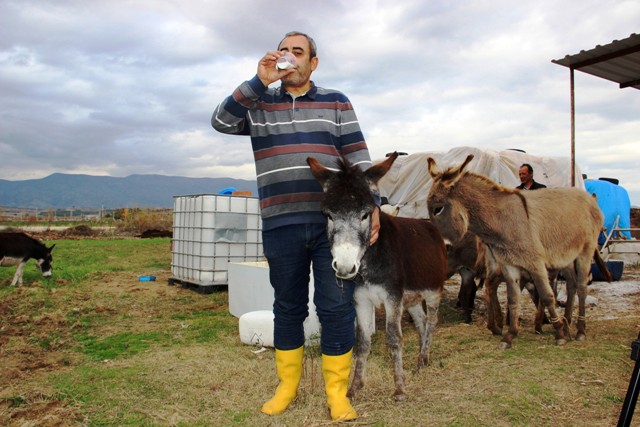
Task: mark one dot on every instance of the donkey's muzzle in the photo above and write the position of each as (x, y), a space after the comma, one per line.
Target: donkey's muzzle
(345, 272)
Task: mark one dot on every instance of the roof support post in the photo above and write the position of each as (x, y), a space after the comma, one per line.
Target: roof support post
(573, 130)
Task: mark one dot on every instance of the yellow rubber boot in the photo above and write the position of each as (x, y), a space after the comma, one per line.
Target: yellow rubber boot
(335, 370)
(289, 369)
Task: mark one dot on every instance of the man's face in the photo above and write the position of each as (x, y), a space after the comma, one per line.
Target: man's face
(299, 47)
(524, 174)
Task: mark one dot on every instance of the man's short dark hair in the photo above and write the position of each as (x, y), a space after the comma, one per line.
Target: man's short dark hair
(313, 51)
(528, 166)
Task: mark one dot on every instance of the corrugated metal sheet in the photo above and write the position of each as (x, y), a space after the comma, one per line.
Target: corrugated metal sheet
(618, 61)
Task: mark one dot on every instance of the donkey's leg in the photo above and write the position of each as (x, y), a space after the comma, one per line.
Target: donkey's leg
(420, 321)
(513, 301)
(540, 314)
(467, 293)
(365, 314)
(17, 278)
(493, 278)
(553, 282)
(418, 316)
(494, 311)
(547, 298)
(393, 310)
(570, 279)
(533, 293)
(583, 269)
(432, 299)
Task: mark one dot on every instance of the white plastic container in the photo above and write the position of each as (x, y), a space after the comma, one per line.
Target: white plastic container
(210, 231)
(256, 328)
(251, 300)
(249, 287)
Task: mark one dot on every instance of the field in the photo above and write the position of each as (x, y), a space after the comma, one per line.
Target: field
(94, 346)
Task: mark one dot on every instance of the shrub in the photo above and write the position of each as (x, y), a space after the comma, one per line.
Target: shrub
(140, 220)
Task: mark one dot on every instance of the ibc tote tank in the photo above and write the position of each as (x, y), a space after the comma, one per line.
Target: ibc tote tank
(209, 231)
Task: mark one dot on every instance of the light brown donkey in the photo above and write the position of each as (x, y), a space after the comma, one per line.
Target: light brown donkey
(525, 231)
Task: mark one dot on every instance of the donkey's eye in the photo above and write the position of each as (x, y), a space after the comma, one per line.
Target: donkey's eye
(365, 217)
(437, 211)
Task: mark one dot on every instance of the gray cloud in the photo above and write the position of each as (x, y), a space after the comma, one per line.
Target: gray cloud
(128, 87)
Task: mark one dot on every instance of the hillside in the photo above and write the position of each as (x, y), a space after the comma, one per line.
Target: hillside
(85, 191)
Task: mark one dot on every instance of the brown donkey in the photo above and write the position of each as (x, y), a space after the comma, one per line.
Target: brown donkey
(525, 231)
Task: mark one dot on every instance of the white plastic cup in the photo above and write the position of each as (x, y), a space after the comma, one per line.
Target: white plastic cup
(286, 61)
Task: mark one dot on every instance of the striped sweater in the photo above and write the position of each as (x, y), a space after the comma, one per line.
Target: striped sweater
(284, 132)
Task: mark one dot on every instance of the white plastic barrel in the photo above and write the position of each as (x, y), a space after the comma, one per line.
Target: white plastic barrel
(256, 328)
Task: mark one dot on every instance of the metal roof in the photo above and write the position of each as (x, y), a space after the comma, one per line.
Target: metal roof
(618, 61)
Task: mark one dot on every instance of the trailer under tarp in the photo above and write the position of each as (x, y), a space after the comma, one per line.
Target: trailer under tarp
(408, 182)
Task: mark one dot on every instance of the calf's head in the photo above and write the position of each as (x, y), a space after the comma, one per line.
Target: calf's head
(446, 211)
(348, 205)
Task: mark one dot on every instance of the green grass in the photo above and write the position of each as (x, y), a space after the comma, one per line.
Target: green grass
(112, 393)
(206, 326)
(119, 345)
(76, 260)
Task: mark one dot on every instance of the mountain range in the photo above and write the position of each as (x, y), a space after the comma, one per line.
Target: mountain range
(88, 191)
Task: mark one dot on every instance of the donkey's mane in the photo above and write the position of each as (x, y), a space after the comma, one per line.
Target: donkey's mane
(350, 184)
(492, 185)
(449, 173)
(485, 181)
(347, 169)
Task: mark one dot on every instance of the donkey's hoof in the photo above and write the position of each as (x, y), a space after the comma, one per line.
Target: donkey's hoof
(581, 337)
(422, 362)
(561, 341)
(400, 397)
(504, 345)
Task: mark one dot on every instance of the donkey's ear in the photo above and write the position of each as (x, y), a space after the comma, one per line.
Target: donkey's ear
(434, 170)
(51, 248)
(451, 175)
(465, 163)
(375, 172)
(321, 173)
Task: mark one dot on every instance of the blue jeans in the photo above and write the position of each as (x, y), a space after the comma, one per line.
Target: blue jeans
(290, 251)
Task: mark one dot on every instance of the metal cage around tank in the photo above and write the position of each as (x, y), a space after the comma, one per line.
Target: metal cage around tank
(209, 232)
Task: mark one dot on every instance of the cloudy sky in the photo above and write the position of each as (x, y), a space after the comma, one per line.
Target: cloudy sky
(123, 87)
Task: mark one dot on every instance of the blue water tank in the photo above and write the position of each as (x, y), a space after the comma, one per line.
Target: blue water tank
(613, 201)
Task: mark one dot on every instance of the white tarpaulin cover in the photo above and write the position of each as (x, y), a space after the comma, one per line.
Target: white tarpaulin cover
(408, 182)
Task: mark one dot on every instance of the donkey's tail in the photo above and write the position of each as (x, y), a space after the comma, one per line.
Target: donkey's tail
(602, 266)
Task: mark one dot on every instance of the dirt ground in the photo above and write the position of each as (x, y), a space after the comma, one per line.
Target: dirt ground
(605, 300)
(33, 348)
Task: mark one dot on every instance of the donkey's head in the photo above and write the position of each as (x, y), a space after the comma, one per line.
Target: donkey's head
(446, 211)
(44, 261)
(348, 204)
